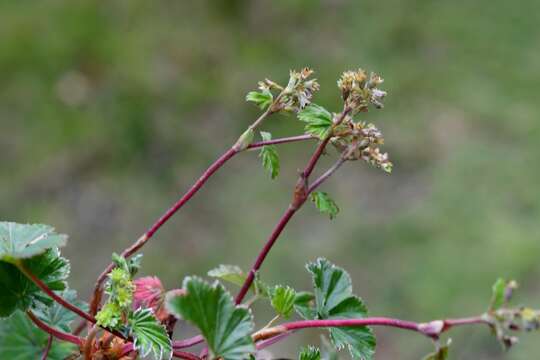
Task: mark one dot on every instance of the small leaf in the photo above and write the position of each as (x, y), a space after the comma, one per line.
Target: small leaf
(324, 203)
(334, 300)
(310, 353)
(21, 339)
(263, 99)
(150, 337)
(21, 241)
(269, 156)
(225, 327)
(282, 300)
(49, 267)
(303, 304)
(229, 273)
(497, 295)
(440, 354)
(318, 120)
(131, 265)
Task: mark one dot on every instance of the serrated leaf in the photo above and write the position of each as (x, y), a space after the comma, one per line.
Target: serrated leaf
(20, 339)
(324, 203)
(150, 337)
(58, 316)
(225, 326)
(49, 267)
(131, 265)
(229, 273)
(310, 353)
(282, 299)
(269, 156)
(497, 294)
(263, 99)
(303, 304)
(334, 300)
(318, 120)
(22, 241)
(234, 275)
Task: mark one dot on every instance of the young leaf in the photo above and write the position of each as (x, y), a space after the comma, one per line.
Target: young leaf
(303, 304)
(262, 99)
(498, 295)
(318, 120)
(225, 327)
(229, 273)
(310, 353)
(324, 203)
(334, 300)
(282, 300)
(131, 265)
(21, 339)
(21, 241)
(49, 267)
(269, 156)
(149, 335)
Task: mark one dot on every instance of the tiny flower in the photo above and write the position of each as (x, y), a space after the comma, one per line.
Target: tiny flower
(358, 91)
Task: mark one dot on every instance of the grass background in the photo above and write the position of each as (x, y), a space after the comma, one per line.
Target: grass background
(110, 110)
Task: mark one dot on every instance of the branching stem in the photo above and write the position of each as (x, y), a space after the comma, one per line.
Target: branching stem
(54, 332)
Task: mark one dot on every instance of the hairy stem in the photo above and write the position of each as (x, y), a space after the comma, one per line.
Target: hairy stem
(300, 195)
(54, 332)
(47, 348)
(432, 329)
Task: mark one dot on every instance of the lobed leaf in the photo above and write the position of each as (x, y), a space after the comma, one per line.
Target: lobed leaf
(20, 339)
(150, 337)
(225, 326)
(263, 99)
(310, 353)
(324, 203)
(58, 316)
(282, 299)
(49, 267)
(269, 156)
(334, 300)
(22, 241)
(318, 120)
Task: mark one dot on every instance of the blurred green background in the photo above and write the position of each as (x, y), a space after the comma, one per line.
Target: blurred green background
(110, 109)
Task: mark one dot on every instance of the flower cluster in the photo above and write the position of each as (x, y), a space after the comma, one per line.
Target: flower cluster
(361, 141)
(120, 290)
(358, 90)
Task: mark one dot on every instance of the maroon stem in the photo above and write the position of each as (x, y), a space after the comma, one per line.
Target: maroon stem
(300, 195)
(47, 348)
(431, 329)
(127, 348)
(181, 344)
(40, 284)
(54, 332)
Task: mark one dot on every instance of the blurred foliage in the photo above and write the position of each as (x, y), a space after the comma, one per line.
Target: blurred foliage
(109, 110)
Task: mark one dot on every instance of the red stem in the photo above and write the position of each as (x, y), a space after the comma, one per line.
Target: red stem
(176, 353)
(300, 196)
(47, 348)
(40, 284)
(284, 140)
(54, 332)
(181, 344)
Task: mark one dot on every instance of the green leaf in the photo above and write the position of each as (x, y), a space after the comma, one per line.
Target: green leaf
(269, 156)
(234, 275)
(150, 336)
(334, 300)
(262, 99)
(229, 273)
(324, 203)
(20, 339)
(131, 265)
(49, 267)
(22, 241)
(282, 300)
(497, 294)
(58, 316)
(318, 120)
(310, 353)
(440, 354)
(225, 327)
(303, 304)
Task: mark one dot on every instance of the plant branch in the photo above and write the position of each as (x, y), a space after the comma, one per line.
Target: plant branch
(54, 332)
(47, 348)
(278, 141)
(432, 329)
(182, 344)
(300, 196)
